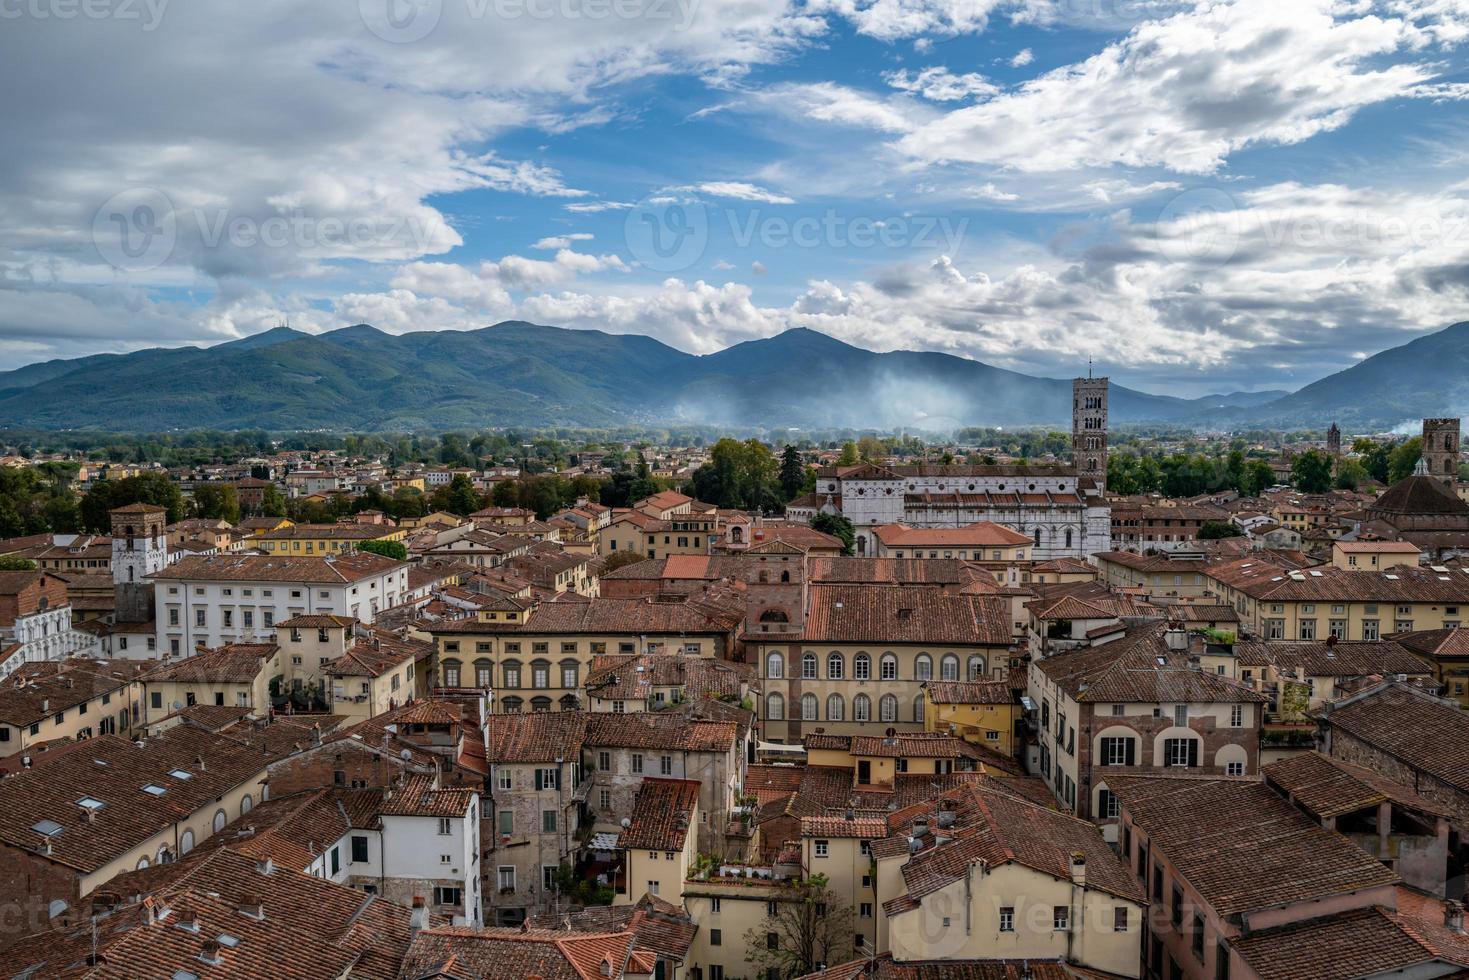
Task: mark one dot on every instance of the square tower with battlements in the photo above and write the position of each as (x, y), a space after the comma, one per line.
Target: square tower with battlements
(1441, 449)
(139, 548)
(1089, 428)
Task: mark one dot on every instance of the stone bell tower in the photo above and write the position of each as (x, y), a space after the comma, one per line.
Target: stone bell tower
(139, 548)
(1089, 428)
(1441, 449)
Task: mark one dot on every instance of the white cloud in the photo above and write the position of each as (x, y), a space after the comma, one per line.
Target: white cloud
(938, 84)
(563, 241)
(1022, 58)
(742, 191)
(593, 207)
(891, 20)
(1185, 92)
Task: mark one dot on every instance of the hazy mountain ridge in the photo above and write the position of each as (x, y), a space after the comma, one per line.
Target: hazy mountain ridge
(517, 373)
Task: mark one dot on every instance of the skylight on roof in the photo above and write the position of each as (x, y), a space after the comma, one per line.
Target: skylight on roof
(180, 774)
(1393, 577)
(225, 939)
(155, 790)
(46, 828)
(90, 803)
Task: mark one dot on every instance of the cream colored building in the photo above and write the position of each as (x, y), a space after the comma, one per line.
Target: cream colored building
(1373, 556)
(658, 842)
(235, 675)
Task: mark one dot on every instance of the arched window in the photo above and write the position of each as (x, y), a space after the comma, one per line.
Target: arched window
(540, 704)
(246, 804)
(836, 707)
(570, 674)
(809, 707)
(511, 670)
(775, 707)
(949, 668)
(889, 667)
(836, 667)
(887, 708)
(1068, 537)
(861, 708)
(540, 673)
(862, 667)
(861, 544)
(976, 667)
(220, 820)
(142, 863)
(451, 673)
(569, 702)
(483, 673)
(923, 667)
(512, 705)
(737, 534)
(1037, 537)
(808, 666)
(186, 843)
(775, 666)
(785, 576)
(918, 707)
(774, 615)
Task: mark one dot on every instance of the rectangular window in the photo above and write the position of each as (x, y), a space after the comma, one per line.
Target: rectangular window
(1107, 805)
(548, 821)
(446, 826)
(822, 848)
(507, 822)
(359, 848)
(665, 765)
(637, 762)
(1236, 716)
(507, 877)
(1119, 751)
(1181, 752)
(1119, 919)
(1007, 919)
(1060, 917)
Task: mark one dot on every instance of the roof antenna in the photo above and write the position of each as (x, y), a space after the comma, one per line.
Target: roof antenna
(1089, 369)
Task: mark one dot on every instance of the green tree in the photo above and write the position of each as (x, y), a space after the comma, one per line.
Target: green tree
(1375, 458)
(15, 563)
(388, 549)
(146, 488)
(217, 501)
(1258, 476)
(837, 526)
(849, 455)
(1214, 530)
(792, 472)
(812, 931)
(621, 559)
(1310, 472)
(1403, 459)
(273, 502)
(458, 496)
(1350, 474)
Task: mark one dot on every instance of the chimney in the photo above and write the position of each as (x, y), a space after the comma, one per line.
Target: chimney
(1177, 640)
(209, 952)
(1078, 868)
(920, 826)
(947, 814)
(189, 919)
(251, 905)
(418, 918)
(1453, 916)
(265, 866)
(45, 706)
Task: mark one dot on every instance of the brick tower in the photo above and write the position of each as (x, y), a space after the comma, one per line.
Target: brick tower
(1089, 428)
(1441, 449)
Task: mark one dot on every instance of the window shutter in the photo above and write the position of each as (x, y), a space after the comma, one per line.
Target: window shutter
(539, 784)
(1130, 755)
(1193, 753)
(558, 777)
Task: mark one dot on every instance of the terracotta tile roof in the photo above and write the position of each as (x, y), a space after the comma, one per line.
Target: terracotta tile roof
(36, 691)
(316, 621)
(629, 677)
(983, 534)
(191, 766)
(467, 953)
(970, 692)
(1326, 787)
(1404, 583)
(657, 926)
(883, 968)
(662, 815)
(1453, 642)
(893, 614)
(614, 615)
(270, 568)
(1067, 607)
(233, 663)
(374, 657)
(418, 797)
(1342, 659)
(1140, 667)
(1358, 943)
(1000, 828)
(536, 737)
(864, 828)
(1424, 732)
(912, 745)
(651, 730)
(1241, 845)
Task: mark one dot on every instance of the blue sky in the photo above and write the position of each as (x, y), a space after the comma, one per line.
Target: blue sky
(1200, 196)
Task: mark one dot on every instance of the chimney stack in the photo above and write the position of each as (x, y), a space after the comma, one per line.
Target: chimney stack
(1078, 868)
(1453, 916)
(251, 905)
(418, 919)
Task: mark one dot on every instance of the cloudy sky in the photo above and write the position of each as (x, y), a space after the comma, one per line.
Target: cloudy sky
(1200, 196)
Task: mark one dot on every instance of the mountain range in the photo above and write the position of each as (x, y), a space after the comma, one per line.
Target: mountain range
(523, 374)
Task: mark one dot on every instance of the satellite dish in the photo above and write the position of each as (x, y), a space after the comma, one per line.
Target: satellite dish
(405, 755)
(626, 822)
(177, 705)
(892, 732)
